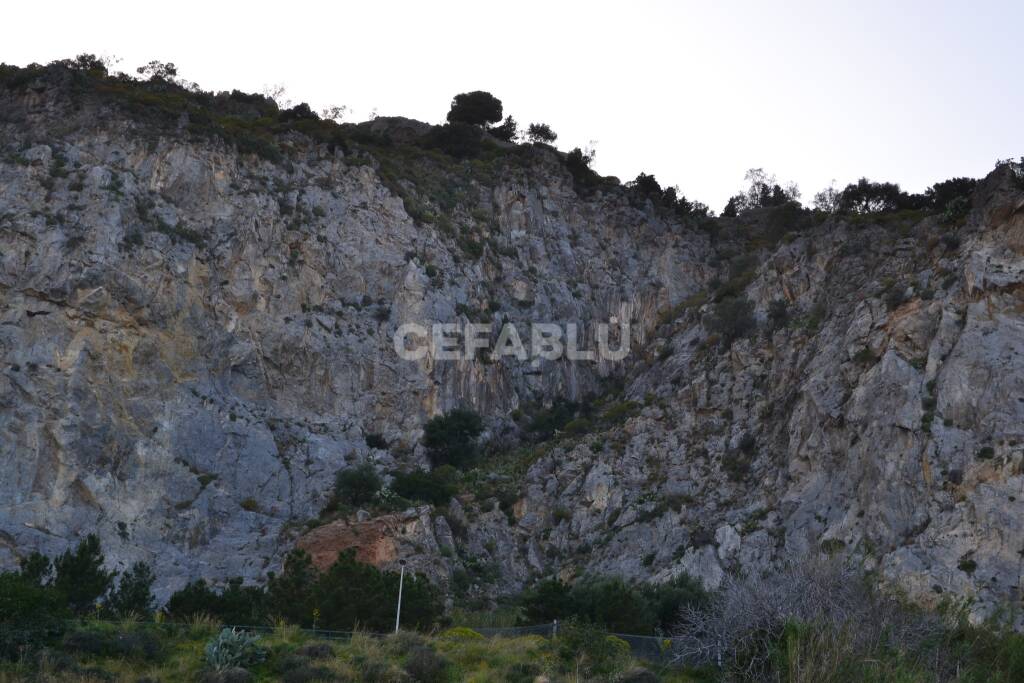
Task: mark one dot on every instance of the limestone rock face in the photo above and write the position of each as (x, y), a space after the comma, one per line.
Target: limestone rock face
(193, 342)
(887, 430)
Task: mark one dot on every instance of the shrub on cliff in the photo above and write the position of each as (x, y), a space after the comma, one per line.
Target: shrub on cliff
(542, 133)
(357, 485)
(732, 319)
(941, 194)
(762, 193)
(952, 197)
(545, 422)
(450, 439)
(300, 112)
(584, 178)
(459, 140)
(646, 186)
(435, 487)
(866, 197)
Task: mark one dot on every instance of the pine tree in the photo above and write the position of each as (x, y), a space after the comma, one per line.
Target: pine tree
(79, 575)
(134, 591)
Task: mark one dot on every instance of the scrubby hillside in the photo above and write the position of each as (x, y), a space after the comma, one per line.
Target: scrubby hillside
(199, 295)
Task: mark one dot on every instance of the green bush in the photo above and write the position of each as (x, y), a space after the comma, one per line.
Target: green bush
(304, 672)
(584, 179)
(612, 603)
(461, 633)
(435, 487)
(450, 439)
(956, 209)
(732, 319)
(103, 640)
(236, 603)
(619, 412)
(588, 650)
(546, 601)
(357, 485)
(459, 140)
(545, 422)
(196, 597)
(668, 598)
(736, 465)
(778, 313)
(31, 615)
(299, 112)
(956, 191)
(580, 425)
(424, 665)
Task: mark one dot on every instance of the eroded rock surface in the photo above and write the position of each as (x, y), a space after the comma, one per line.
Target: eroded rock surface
(194, 341)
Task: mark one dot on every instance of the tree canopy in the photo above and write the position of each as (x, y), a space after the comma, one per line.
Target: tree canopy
(450, 439)
(477, 108)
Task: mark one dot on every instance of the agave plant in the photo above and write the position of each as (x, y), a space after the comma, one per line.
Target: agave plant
(234, 648)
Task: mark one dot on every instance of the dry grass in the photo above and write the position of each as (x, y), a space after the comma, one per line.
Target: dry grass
(365, 657)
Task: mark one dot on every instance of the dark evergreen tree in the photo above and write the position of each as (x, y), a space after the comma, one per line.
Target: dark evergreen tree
(477, 108)
(541, 132)
(507, 131)
(37, 568)
(450, 439)
(291, 595)
(80, 577)
(134, 592)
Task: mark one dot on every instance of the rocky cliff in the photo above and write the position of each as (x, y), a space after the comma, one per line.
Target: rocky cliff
(196, 338)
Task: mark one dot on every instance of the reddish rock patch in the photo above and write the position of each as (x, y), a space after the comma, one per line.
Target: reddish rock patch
(375, 541)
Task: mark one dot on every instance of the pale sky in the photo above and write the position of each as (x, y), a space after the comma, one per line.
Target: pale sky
(694, 92)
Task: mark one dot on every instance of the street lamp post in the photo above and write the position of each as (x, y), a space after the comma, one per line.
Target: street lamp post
(401, 580)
